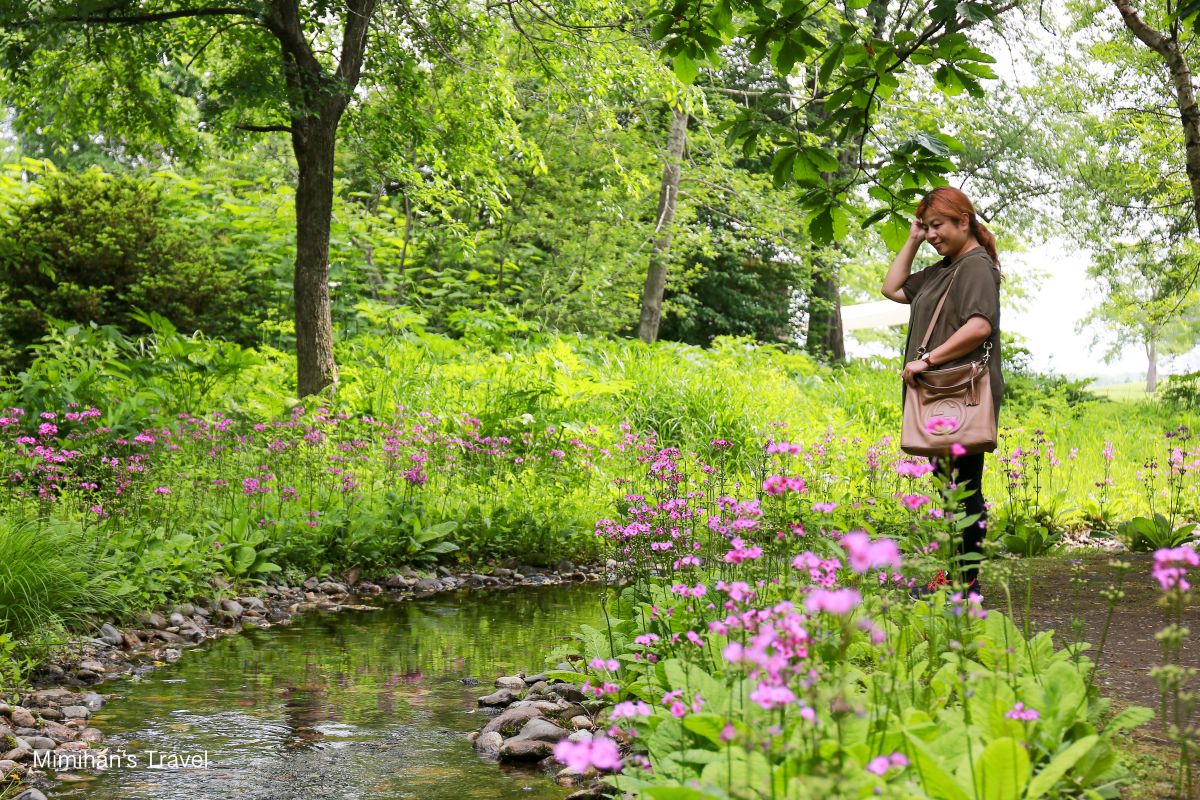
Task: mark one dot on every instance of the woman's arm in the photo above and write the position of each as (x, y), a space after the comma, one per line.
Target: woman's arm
(971, 335)
(902, 265)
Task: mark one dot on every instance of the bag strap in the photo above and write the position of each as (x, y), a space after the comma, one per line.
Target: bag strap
(937, 312)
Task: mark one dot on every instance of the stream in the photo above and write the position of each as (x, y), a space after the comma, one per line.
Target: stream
(354, 704)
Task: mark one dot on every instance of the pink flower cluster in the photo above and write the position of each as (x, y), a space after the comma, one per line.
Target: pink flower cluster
(1171, 565)
(1022, 714)
(864, 554)
(881, 764)
(776, 485)
(600, 753)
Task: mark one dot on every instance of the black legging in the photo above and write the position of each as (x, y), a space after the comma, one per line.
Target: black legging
(970, 475)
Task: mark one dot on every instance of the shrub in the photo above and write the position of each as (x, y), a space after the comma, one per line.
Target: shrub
(93, 247)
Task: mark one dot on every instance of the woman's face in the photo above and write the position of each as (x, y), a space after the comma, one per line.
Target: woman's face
(945, 233)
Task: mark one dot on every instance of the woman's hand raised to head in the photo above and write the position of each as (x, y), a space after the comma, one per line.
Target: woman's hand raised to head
(916, 231)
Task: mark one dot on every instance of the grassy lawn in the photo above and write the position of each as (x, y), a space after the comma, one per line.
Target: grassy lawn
(1125, 392)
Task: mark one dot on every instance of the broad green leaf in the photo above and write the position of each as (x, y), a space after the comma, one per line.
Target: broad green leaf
(1044, 781)
(1132, 717)
(686, 68)
(1002, 770)
(931, 775)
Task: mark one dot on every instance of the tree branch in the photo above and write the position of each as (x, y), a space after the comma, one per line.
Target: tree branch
(1149, 36)
(139, 19)
(246, 126)
(354, 40)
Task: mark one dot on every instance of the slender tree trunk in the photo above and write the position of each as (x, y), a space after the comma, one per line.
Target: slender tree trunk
(313, 142)
(656, 275)
(825, 340)
(1151, 365)
(1168, 47)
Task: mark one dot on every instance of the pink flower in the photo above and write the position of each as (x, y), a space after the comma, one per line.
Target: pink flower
(162, 490)
(838, 602)
(1171, 567)
(824, 508)
(957, 450)
(913, 502)
(881, 764)
(1020, 712)
(600, 753)
(865, 554)
(770, 697)
(629, 710)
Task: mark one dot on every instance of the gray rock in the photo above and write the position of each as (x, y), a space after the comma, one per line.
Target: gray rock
(52, 714)
(75, 712)
(569, 692)
(152, 620)
(503, 697)
(9, 767)
(41, 743)
(58, 696)
(580, 736)
(512, 720)
(518, 749)
(23, 717)
(176, 620)
(111, 635)
(545, 706)
(331, 587)
(533, 680)
(232, 607)
(543, 730)
(310, 584)
(30, 794)
(92, 665)
(253, 603)
(489, 744)
(58, 732)
(87, 675)
(91, 735)
(93, 701)
(511, 682)
(581, 723)
(185, 609)
(428, 585)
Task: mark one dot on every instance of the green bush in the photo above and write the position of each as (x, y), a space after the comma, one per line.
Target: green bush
(93, 247)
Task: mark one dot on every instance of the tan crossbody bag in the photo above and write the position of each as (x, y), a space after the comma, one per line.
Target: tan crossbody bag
(949, 406)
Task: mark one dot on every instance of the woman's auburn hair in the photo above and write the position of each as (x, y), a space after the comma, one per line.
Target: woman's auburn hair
(952, 202)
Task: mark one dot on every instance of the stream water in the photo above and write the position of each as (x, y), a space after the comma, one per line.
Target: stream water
(343, 706)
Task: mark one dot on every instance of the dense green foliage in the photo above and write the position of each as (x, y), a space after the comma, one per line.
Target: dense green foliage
(92, 247)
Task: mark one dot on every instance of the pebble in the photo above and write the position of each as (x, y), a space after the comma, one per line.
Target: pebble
(23, 717)
(582, 723)
(30, 794)
(74, 712)
(111, 635)
(502, 697)
(511, 682)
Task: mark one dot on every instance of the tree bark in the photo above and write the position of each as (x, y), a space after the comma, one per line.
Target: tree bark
(313, 143)
(668, 197)
(825, 340)
(1151, 366)
(1169, 49)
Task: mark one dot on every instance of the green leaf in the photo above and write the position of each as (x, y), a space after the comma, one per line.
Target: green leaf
(242, 558)
(895, 232)
(936, 781)
(1132, 717)
(820, 227)
(686, 68)
(1002, 770)
(708, 726)
(1044, 781)
(675, 793)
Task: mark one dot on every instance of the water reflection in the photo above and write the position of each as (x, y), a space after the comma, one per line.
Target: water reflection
(349, 705)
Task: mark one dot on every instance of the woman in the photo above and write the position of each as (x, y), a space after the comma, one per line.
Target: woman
(969, 321)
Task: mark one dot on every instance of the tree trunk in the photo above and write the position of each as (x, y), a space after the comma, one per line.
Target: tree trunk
(1151, 366)
(656, 275)
(313, 141)
(1185, 93)
(825, 340)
